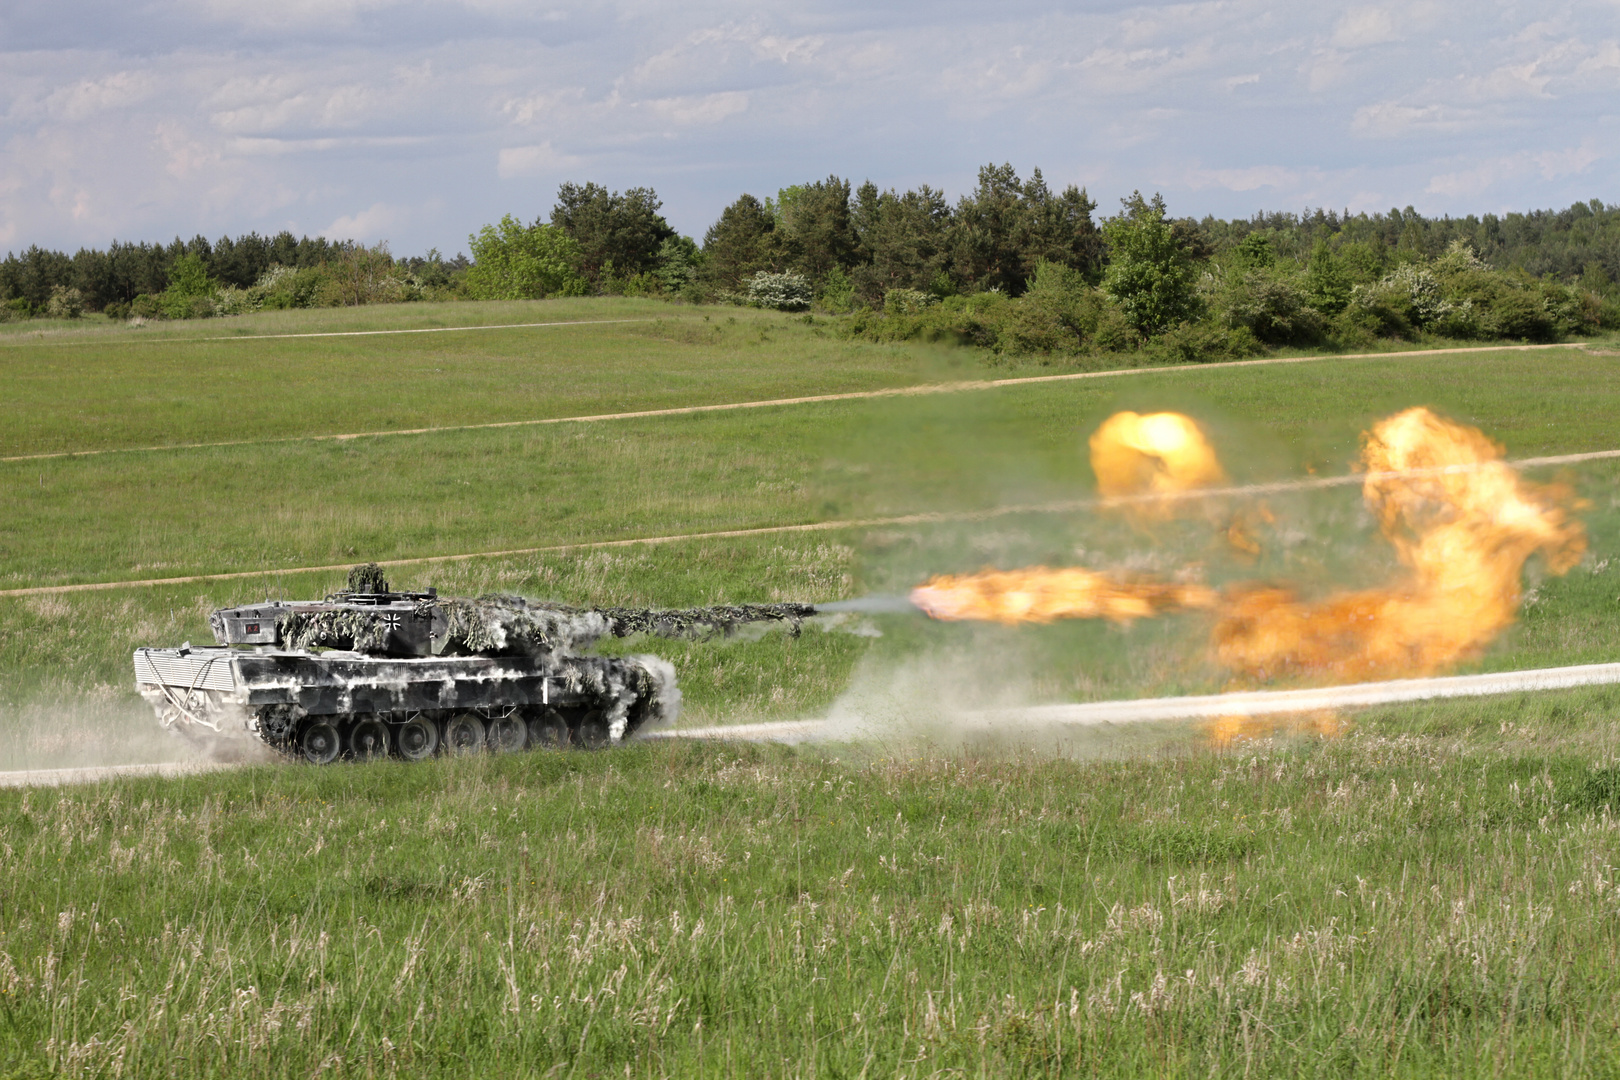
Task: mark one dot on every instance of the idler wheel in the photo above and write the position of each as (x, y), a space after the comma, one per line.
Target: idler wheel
(464, 734)
(369, 739)
(418, 738)
(508, 734)
(320, 743)
(548, 729)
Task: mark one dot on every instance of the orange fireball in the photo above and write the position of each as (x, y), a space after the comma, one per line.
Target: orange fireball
(1461, 520)
(1157, 454)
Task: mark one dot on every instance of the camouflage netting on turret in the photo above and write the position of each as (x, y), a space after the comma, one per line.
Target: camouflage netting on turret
(361, 631)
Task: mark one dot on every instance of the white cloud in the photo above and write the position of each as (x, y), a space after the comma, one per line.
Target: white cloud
(1390, 119)
(1606, 58)
(369, 226)
(1555, 164)
(1508, 81)
(1232, 82)
(279, 102)
(537, 160)
(263, 147)
(1548, 164)
(542, 107)
(1325, 70)
(1246, 179)
(706, 109)
(1363, 26)
(318, 14)
(185, 156)
(85, 98)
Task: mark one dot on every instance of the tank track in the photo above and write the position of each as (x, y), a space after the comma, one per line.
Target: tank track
(324, 739)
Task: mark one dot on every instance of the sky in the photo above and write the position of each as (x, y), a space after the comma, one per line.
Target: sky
(415, 122)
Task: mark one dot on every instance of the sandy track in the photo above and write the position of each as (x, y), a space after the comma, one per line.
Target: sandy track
(771, 403)
(1067, 506)
(1210, 706)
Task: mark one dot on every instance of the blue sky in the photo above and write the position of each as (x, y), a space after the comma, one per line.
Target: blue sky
(415, 121)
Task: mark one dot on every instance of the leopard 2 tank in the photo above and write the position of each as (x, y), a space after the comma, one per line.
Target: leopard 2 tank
(368, 672)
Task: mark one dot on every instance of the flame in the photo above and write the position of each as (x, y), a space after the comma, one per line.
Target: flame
(1462, 522)
(1042, 595)
(1157, 454)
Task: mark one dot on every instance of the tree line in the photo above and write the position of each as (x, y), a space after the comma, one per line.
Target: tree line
(1014, 265)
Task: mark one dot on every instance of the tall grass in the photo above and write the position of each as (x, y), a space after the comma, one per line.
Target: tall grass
(1430, 894)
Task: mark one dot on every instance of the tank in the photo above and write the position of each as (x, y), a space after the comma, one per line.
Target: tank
(368, 672)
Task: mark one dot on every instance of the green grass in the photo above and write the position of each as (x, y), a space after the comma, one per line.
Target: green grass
(155, 386)
(1433, 894)
(1429, 894)
(289, 504)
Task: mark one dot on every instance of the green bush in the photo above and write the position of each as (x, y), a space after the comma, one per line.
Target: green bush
(1521, 313)
(965, 320)
(513, 261)
(1608, 312)
(234, 301)
(1038, 328)
(1355, 328)
(1204, 343)
(189, 294)
(188, 276)
(146, 306)
(837, 290)
(1271, 304)
(1061, 313)
(283, 287)
(116, 311)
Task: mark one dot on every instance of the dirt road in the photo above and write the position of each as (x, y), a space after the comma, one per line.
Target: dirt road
(1096, 713)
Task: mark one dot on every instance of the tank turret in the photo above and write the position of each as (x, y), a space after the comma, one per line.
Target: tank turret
(367, 672)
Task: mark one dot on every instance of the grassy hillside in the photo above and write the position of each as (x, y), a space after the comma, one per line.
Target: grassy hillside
(1427, 893)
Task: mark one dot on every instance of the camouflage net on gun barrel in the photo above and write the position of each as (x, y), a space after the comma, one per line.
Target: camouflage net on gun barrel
(512, 625)
(701, 624)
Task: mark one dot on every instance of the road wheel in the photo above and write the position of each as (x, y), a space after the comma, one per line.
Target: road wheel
(418, 738)
(464, 734)
(320, 743)
(508, 735)
(369, 739)
(593, 730)
(547, 729)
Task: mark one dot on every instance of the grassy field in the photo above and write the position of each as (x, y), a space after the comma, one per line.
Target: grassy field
(1418, 891)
